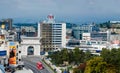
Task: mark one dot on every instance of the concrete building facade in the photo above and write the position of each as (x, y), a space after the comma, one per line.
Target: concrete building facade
(53, 35)
(78, 31)
(30, 46)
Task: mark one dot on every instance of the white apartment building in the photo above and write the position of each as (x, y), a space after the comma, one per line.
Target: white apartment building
(53, 35)
(99, 36)
(95, 47)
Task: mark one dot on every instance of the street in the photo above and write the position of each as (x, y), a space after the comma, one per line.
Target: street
(30, 63)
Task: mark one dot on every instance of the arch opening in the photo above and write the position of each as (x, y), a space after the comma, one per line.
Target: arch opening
(30, 50)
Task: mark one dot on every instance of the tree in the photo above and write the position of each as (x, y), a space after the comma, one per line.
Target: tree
(112, 57)
(76, 70)
(118, 62)
(65, 55)
(105, 25)
(111, 69)
(115, 58)
(60, 56)
(71, 57)
(56, 57)
(80, 68)
(96, 65)
(105, 54)
(87, 56)
(78, 55)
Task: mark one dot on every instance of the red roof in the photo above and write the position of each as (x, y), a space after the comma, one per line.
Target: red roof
(116, 42)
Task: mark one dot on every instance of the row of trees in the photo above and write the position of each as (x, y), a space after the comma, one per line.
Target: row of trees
(105, 25)
(112, 57)
(72, 57)
(98, 65)
(107, 62)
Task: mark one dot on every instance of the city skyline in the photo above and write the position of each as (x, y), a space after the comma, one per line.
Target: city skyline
(77, 11)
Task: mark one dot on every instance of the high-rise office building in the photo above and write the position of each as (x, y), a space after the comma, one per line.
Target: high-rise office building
(53, 35)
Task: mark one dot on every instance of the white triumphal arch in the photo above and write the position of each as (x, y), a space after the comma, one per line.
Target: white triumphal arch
(30, 46)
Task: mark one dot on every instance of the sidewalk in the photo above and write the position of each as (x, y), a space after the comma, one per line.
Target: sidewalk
(58, 69)
(53, 66)
(24, 71)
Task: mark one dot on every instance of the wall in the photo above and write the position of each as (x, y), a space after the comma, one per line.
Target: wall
(30, 42)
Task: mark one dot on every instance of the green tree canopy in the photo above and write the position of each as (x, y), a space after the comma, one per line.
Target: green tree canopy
(98, 65)
(112, 57)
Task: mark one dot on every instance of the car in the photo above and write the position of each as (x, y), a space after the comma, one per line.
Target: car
(2, 69)
(20, 65)
(39, 66)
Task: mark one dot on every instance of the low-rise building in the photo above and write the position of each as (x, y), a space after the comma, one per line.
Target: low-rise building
(100, 36)
(79, 30)
(95, 47)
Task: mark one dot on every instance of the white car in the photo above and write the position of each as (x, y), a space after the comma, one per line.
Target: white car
(2, 70)
(20, 65)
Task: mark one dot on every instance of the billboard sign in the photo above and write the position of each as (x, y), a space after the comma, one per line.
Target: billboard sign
(12, 56)
(12, 45)
(3, 53)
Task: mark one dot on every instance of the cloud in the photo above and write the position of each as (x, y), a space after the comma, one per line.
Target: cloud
(77, 8)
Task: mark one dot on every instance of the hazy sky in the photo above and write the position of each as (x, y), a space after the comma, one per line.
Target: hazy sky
(64, 10)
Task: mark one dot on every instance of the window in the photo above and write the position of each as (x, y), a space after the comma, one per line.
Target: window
(16, 57)
(16, 54)
(57, 25)
(56, 29)
(98, 42)
(93, 42)
(57, 34)
(56, 41)
(57, 38)
(17, 46)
